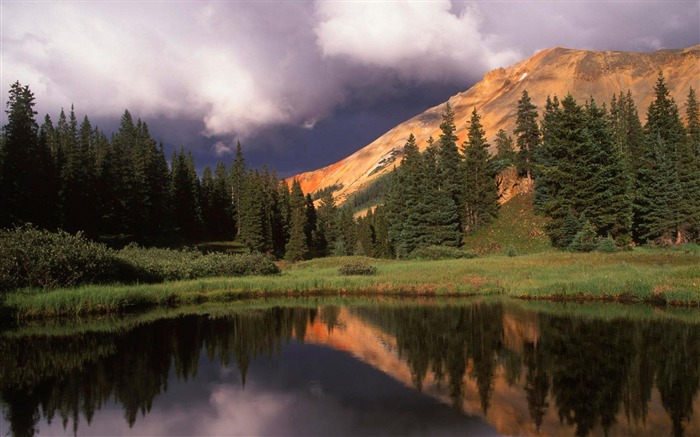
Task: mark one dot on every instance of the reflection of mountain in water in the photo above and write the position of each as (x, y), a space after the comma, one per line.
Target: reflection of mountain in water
(533, 374)
(527, 373)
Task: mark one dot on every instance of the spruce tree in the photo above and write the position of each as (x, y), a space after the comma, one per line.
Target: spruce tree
(561, 164)
(605, 195)
(253, 217)
(689, 168)
(665, 215)
(297, 247)
(480, 199)
(285, 218)
(382, 245)
(185, 195)
(20, 177)
(438, 212)
(326, 229)
(346, 231)
(528, 136)
(365, 235)
(449, 160)
(505, 152)
(236, 180)
(79, 203)
(310, 225)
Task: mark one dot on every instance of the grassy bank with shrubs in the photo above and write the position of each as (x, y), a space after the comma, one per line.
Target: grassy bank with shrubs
(664, 277)
(32, 258)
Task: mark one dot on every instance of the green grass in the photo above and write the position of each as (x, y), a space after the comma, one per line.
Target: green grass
(232, 247)
(663, 277)
(516, 224)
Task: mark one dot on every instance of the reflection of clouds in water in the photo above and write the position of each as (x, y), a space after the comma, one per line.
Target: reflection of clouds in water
(230, 410)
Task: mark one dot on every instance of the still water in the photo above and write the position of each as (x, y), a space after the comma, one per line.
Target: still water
(467, 367)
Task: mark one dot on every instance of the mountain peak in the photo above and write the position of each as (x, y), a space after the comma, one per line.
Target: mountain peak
(553, 71)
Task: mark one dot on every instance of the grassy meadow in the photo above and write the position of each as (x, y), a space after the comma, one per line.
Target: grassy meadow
(658, 276)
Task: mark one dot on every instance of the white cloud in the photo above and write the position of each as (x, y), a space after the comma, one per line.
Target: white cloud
(420, 40)
(222, 149)
(211, 62)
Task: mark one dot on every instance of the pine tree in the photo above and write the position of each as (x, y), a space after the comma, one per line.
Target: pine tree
(480, 201)
(365, 235)
(528, 136)
(207, 202)
(185, 195)
(346, 242)
(297, 248)
(505, 152)
(689, 168)
(448, 160)
(604, 196)
(236, 180)
(310, 225)
(21, 181)
(285, 219)
(382, 245)
(79, 203)
(410, 232)
(252, 217)
(326, 228)
(433, 218)
(560, 162)
(660, 190)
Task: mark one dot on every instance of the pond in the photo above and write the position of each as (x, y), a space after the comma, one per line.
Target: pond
(397, 367)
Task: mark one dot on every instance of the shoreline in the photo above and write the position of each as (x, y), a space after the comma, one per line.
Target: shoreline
(660, 277)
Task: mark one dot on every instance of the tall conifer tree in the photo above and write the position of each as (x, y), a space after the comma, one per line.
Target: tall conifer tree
(480, 201)
(528, 136)
(297, 247)
(660, 199)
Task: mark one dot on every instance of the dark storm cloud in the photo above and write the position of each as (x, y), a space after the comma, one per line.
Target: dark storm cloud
(301, 84)
(528, 26)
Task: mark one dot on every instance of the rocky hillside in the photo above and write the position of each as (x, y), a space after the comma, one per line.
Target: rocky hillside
(554, 71)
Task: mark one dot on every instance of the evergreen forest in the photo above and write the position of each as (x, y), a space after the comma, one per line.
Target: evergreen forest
(597, 174)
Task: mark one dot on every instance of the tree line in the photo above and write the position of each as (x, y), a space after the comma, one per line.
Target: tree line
(596, 173)
(69, 175)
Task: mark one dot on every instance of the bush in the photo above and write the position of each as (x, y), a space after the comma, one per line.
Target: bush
(511, 250)
(219, 264)
(606, 245)
(585, 240)
(439, 252)
(41, 259)
(156, 265)
(30, 257)
(357, 267)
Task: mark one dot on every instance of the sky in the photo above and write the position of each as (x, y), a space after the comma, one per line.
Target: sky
(301, 84)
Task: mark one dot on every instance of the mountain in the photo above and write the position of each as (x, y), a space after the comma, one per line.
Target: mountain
(556, 71)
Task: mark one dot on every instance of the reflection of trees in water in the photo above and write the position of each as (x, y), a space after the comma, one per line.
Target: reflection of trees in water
(446, 340)
(589, 370)
(73, 376)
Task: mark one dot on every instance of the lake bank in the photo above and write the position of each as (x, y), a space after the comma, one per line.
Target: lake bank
(661, 277)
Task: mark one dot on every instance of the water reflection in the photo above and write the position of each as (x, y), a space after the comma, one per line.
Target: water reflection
(372, 369)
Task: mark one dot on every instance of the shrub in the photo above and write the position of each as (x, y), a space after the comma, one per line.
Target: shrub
(511, 250)
(219, 264)
(155, 265)
(41, 259)
(439, 252)
(35, 258)
(585, 240)
(606, 245)
(357, 267)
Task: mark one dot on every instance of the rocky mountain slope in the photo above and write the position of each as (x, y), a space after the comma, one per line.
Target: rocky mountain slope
(556, 71)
